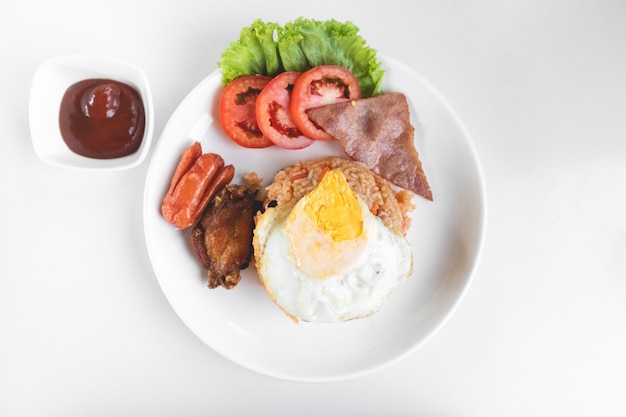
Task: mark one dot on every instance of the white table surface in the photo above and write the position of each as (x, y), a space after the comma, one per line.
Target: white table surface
(541, 86)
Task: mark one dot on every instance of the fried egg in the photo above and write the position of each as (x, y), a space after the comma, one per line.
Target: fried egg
(328, 258)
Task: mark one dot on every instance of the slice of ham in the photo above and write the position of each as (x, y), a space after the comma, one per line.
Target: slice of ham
(378, 132)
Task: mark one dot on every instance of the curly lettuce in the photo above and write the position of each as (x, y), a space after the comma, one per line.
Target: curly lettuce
(256, 52)
(267, 48)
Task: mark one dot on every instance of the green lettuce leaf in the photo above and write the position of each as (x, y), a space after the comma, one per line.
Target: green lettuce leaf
(268, 48)
(256, 52)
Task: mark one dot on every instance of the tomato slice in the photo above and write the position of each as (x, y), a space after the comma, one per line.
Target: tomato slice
(273, 114)
(321, 85)
(238, 111)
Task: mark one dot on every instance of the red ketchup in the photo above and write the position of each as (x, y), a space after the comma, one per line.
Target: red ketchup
(102, 118)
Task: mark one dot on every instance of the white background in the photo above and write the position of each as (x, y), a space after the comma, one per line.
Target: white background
(541, 86)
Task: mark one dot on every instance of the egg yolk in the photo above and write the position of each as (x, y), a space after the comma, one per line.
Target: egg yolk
(334, 208)
(325, 228)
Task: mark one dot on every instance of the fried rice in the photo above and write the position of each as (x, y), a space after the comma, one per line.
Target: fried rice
(295, 181)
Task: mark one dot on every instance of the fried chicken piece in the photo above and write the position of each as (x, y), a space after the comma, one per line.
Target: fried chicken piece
(222, 238)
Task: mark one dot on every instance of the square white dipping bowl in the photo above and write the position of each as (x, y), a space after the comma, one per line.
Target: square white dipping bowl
(52, 78)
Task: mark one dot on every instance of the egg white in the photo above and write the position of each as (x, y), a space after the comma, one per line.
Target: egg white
(358, 291)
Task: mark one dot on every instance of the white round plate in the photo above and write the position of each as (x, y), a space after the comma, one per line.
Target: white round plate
(245, 326)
